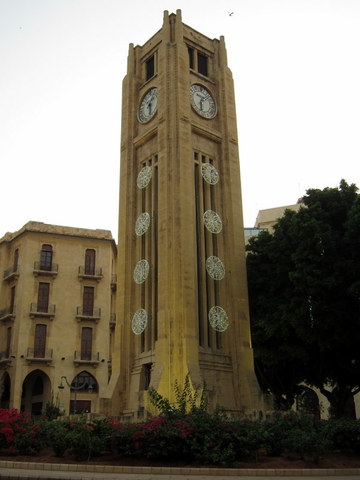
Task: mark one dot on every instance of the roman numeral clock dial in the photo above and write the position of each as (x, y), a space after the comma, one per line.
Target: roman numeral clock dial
(148, 106)
(202, 101)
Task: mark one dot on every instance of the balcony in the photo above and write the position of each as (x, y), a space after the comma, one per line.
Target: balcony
(11, 273)
(88, 314)
(90, 273)
(7, 314)
(113, 282)
(92, 359)
(45, 311)
(39, 355)
(43, 269)
(112, 320)
(5, 359)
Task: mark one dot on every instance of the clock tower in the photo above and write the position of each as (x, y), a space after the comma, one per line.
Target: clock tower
(182, 302)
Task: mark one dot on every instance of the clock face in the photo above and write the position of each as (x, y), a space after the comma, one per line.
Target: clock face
(148, 106)
(202, 101)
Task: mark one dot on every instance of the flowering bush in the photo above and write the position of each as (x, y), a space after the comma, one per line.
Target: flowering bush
(202, 437)
(17, 433)
(196, 436)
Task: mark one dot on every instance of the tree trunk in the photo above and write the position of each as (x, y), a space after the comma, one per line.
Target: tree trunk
(341, 402)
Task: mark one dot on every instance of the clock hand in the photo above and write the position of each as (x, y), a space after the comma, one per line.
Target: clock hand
(149, 106)
(202, 100)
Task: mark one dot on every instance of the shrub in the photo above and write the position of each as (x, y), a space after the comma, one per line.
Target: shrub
(87, 439)
(298, 434)
(17, 433)
(343, 434)
(55, 436)
(217, 440)
(51, 411)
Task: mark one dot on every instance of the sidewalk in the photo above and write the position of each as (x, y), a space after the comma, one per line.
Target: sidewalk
(36, 471)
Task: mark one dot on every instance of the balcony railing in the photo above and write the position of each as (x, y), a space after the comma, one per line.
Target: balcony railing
(39, 355)
(90, 273)
(11, 273)
(88, 314)
(81, 358)
(7, 314)
(42, 269)
(39, 310)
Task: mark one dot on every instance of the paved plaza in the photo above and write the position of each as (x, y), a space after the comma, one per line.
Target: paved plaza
(41, 471)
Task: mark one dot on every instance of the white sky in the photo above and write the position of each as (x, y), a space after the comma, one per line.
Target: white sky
(297, 81)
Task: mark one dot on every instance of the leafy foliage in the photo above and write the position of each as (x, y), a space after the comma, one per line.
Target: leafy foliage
(304, 292)
(187, 399)
(200, 438)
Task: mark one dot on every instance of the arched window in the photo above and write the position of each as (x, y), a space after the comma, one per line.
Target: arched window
(90, 261)
(46, 257)
(83, 381)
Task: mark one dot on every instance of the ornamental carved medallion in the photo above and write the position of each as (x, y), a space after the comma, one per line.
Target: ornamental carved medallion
(144, 177)
(215, 268)
(209, 173)
(212, 221)
(142, 223)
(139, 321)
(218, 319)
(141, 271)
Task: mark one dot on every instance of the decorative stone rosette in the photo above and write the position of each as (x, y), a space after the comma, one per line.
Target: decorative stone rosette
(209, 173)
(141, 271)
(139, 321)
(212, 221)
(142, 223)
(218, 319)
(215, 268)
(144, 177)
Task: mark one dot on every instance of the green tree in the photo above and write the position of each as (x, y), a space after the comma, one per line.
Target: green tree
(304, 289)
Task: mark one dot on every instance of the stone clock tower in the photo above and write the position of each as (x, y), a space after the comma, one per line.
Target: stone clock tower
(182, 302)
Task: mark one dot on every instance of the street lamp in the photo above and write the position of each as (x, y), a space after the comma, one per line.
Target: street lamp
(74, 388)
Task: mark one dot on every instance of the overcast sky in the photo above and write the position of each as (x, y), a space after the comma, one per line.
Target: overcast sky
(297, 82)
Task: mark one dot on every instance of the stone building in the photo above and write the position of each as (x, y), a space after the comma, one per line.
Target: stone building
(56, 316)
(182, 303)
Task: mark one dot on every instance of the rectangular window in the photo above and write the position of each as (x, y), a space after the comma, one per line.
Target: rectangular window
(88, 301)
(12, 299)
(90, 261)
(40, 341)
(8, 342)
(86, 343)
(16, 260)
(46, 258)
(191, 57)
(145, 376)
(43, 297)
(150, 67)
(202, 64)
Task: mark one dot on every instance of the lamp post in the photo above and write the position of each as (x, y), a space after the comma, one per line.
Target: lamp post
(74, 388)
